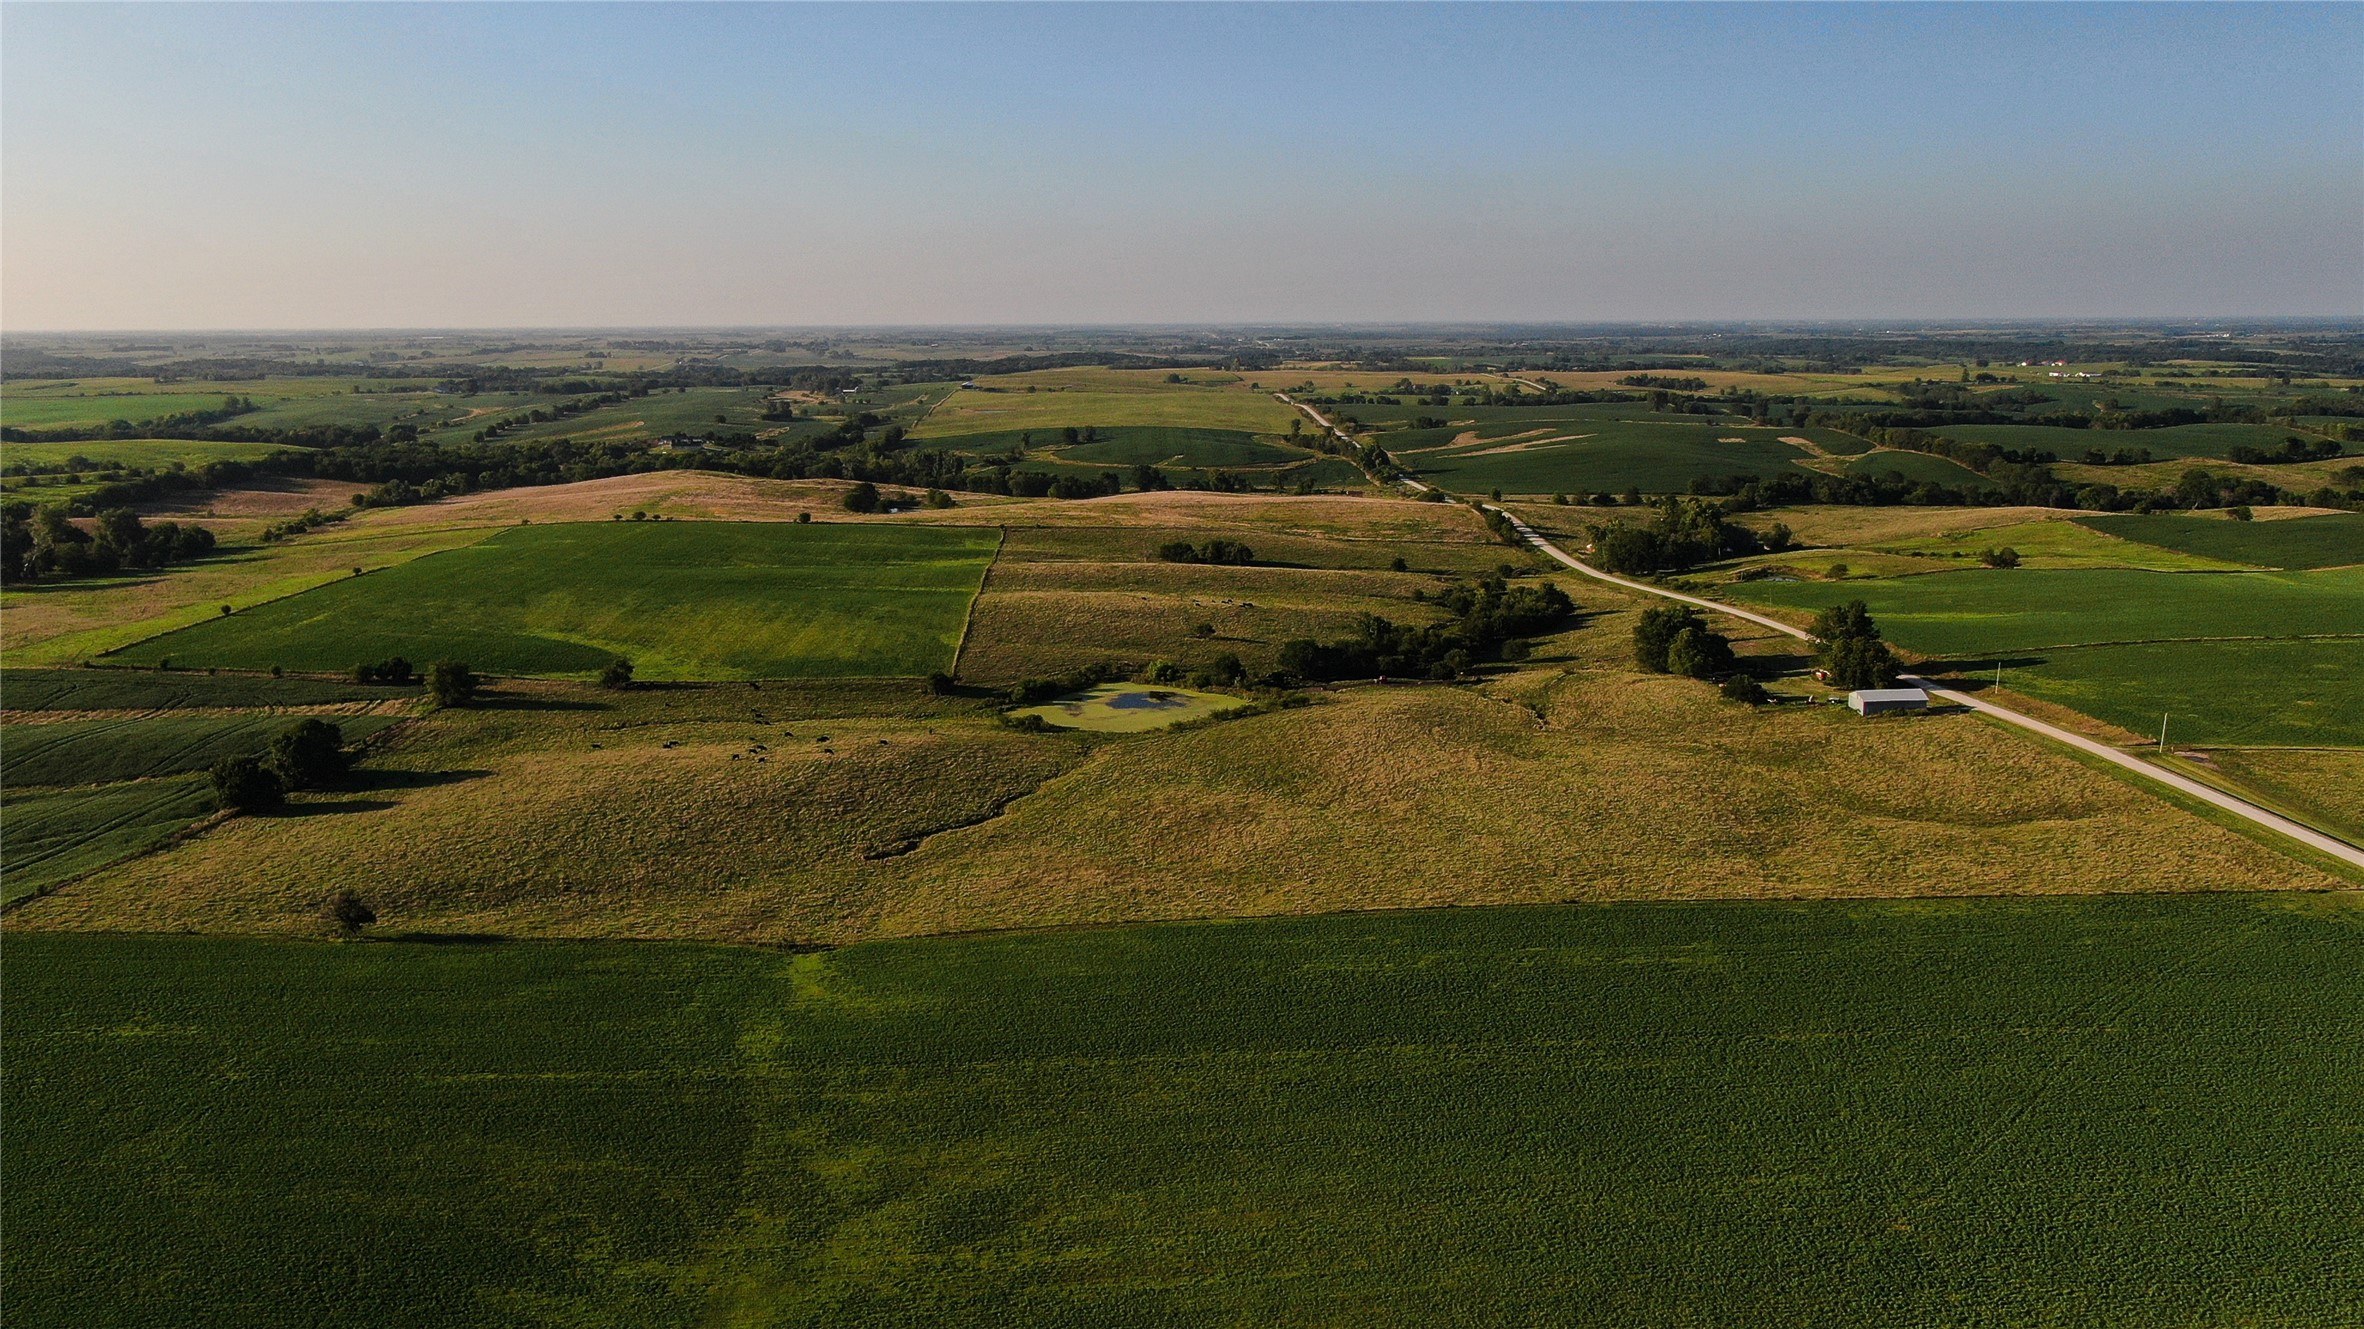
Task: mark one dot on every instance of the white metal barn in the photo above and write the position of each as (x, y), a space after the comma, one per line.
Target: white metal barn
(1878, 701)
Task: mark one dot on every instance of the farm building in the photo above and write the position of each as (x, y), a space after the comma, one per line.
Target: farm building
(1877, 701)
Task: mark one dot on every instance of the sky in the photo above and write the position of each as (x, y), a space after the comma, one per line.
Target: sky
(201, 166)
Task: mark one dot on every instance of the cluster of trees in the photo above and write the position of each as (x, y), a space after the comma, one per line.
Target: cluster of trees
(1210, 551)
(1490, 619)
(1849, 649)
(2293, 449)
(42, 542)
(1684, 533)
(309, 755)
(1668, 382)
(1676, 640)
(394, 670)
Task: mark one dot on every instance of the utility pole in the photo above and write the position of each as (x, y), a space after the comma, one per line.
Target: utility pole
(2162, 733)
(1998, 676)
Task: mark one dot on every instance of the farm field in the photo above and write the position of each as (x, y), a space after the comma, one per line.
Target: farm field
(1605, 454)
(144, 690)
(1917, 467)
(137, 452)
(1141, 446)
(1978, 611)
(1011, 409)
(108, 751)
(681, 600)
(2289, 693)
(1664, 1114)
(2058, 541)
(57, 834)
(2331, 540)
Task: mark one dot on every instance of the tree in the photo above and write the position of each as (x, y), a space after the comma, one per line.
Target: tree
(1654, 634)
(1852, 652)
(942, 684)
(862, 498)
(1740, 687)
(451, 683)
(617, 676)
(245, 784)
(1698, 652)
(2006, 557)
(347, 913)
(309, 755)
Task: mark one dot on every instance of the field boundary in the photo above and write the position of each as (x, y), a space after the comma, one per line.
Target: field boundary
(1001, 538)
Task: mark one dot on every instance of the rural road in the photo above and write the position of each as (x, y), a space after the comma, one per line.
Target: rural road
(2239, 807)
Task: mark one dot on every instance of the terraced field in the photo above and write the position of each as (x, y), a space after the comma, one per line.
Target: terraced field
(2178, 441)
(1009, 408)
(2137, 1108)
(683, 600)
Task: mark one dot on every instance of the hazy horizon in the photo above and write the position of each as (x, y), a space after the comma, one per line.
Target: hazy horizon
(234, 169)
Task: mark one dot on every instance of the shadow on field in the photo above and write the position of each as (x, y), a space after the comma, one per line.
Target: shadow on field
(377, 779)
(1974, 675)
(446, 938)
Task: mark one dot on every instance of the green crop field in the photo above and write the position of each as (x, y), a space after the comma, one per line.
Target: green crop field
(87, 752)
(58, 410)
(1601, 454)
(2126, 1112)
(1918, 467)
(2333, 540)
(682, 600)
(2292, 693)
(141, 452)
(1974, 611)
(1012, 409)
(2056, 543)
(2192, 441)
(144, 690)
(54, 834)
(1134, 446)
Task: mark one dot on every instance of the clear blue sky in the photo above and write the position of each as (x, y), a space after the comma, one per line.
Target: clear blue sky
(199, 166)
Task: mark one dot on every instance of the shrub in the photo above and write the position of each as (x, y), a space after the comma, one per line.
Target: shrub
(347, 913)
(938, 499)
(1399, 565)
(308, 755)
(941, 684)
(2006, 557)
(617, 676)
(451, 683)
(862, 498)
(394, 670)
(245, 784)
(1740, 687)
(1213, 551)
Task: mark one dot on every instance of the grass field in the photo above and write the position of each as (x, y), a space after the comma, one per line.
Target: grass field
(1143, 445)
(682, 600)
(2132, 1112)
(1977, 611)
(53, 410)
(57, 834)
(2325, 786)
(2332, 540)
(1012, 409)
(822, 812)
(1131, 708)
(2057, 542)
(2291, 693)
(88, 752)
(138, 452)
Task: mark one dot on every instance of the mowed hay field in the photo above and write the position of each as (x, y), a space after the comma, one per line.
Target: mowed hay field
(104, 751)
(822, 813)
(712, 600)
(2131, 1112)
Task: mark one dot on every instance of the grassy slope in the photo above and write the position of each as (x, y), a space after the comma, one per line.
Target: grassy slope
(1574, 780)
(2131, 1112)
(684, 600)
(1917, 467)
(2326, 787)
